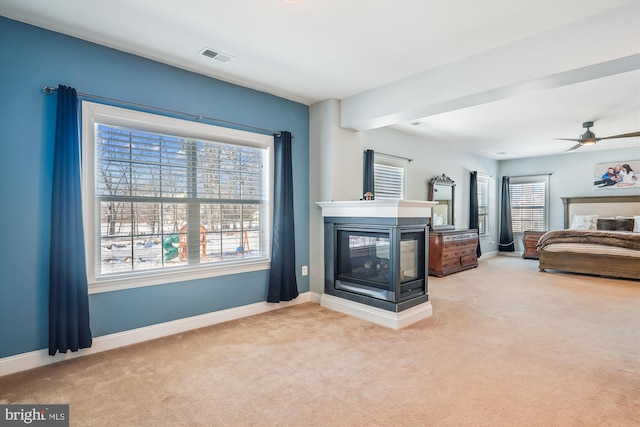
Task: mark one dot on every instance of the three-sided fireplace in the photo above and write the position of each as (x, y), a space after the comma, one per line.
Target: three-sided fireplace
(378, 261)
(375, 260)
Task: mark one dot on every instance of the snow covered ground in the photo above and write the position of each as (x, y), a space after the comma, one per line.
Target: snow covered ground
(144, 252)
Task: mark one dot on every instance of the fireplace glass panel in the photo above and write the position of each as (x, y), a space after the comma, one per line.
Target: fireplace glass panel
(408, 260)
(364, 256)
(372, 263)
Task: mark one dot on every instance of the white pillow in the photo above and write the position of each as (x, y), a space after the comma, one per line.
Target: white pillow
(584, 222)
(636, 223)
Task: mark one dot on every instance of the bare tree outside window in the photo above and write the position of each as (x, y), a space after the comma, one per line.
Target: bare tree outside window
(169, 201)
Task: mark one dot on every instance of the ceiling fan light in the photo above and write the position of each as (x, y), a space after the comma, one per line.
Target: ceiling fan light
(588, 138)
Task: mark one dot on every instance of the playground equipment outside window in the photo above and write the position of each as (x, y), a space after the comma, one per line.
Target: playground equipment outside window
(167, 197)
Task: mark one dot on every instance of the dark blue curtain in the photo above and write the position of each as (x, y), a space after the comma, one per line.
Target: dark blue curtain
(474, 221)
(506, 229)
(68, 290)
(368, 181)
(282, 277)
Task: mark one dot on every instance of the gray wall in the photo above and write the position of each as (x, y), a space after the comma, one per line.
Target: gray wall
(572, 174)
(335, 171)
(431, 160)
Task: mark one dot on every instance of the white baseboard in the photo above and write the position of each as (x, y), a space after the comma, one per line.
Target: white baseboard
(37, 358)
(488, 255)
(516, 254)
(376, 315)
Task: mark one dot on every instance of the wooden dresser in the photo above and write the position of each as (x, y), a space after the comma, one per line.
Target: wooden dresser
(529, 243)
(451, 251)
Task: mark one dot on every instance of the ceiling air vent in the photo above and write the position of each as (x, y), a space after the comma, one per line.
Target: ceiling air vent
(218, 56)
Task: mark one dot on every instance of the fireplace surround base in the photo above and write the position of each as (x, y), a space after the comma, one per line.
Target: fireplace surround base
(389, 319)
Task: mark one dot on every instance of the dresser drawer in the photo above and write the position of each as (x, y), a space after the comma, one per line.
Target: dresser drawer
(469, 260)
(460, 237)
(449, 246)
(469, 250)
(450, 254)
(451, 251)
(450, 263)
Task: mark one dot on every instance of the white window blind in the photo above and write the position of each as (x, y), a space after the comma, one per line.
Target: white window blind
(170, 201)
(529, 203)
(388, 181)
(389, 177)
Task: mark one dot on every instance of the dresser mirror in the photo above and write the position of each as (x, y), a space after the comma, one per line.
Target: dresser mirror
(442, 189)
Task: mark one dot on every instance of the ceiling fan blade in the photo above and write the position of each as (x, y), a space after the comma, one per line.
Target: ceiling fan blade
(575, 147)
(624, 135)
(567, 139)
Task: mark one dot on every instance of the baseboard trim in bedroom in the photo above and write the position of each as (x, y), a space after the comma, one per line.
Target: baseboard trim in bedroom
(488, 255)
(376, 315)
(38, 358)
(516, 254)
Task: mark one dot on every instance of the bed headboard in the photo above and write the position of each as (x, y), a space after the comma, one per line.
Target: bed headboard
(604, 206)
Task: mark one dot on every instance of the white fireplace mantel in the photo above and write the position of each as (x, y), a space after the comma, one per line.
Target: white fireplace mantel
(377, 208)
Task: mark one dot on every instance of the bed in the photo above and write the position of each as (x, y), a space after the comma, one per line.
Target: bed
(598, 238)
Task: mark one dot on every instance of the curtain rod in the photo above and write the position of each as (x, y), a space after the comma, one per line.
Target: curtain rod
(48, 90)
(392, 155)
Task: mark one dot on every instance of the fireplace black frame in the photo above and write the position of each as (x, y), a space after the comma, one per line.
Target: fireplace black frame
(398, 295)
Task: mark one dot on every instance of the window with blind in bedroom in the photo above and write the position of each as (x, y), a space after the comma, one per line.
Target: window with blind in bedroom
(389, 177)
(483, 204)
(166, 196)
(529, 203)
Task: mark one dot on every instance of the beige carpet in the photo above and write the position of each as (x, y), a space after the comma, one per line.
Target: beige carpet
(506, 346)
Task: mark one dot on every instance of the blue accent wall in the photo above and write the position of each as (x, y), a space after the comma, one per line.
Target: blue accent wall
(32, 58)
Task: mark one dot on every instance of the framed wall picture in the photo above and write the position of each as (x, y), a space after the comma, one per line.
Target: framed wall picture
(616, 175)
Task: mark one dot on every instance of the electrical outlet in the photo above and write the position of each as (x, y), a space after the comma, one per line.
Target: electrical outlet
(305, 270)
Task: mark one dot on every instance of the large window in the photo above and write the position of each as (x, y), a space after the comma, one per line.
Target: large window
(389, 173)
(483, 204)
(529, 203)
(167, 197)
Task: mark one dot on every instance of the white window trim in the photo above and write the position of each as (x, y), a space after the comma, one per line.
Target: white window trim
(93, 112)
(535, 178)
(384, 159)
(486, 178)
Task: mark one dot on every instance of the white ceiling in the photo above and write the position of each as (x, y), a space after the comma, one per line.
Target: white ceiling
(313, 50)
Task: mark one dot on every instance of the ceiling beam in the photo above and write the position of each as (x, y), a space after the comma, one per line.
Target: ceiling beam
(596, 47)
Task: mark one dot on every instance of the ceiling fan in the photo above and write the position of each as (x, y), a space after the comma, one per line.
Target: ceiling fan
(589, 138)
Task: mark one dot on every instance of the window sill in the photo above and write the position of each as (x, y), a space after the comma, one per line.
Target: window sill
(139, 280)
